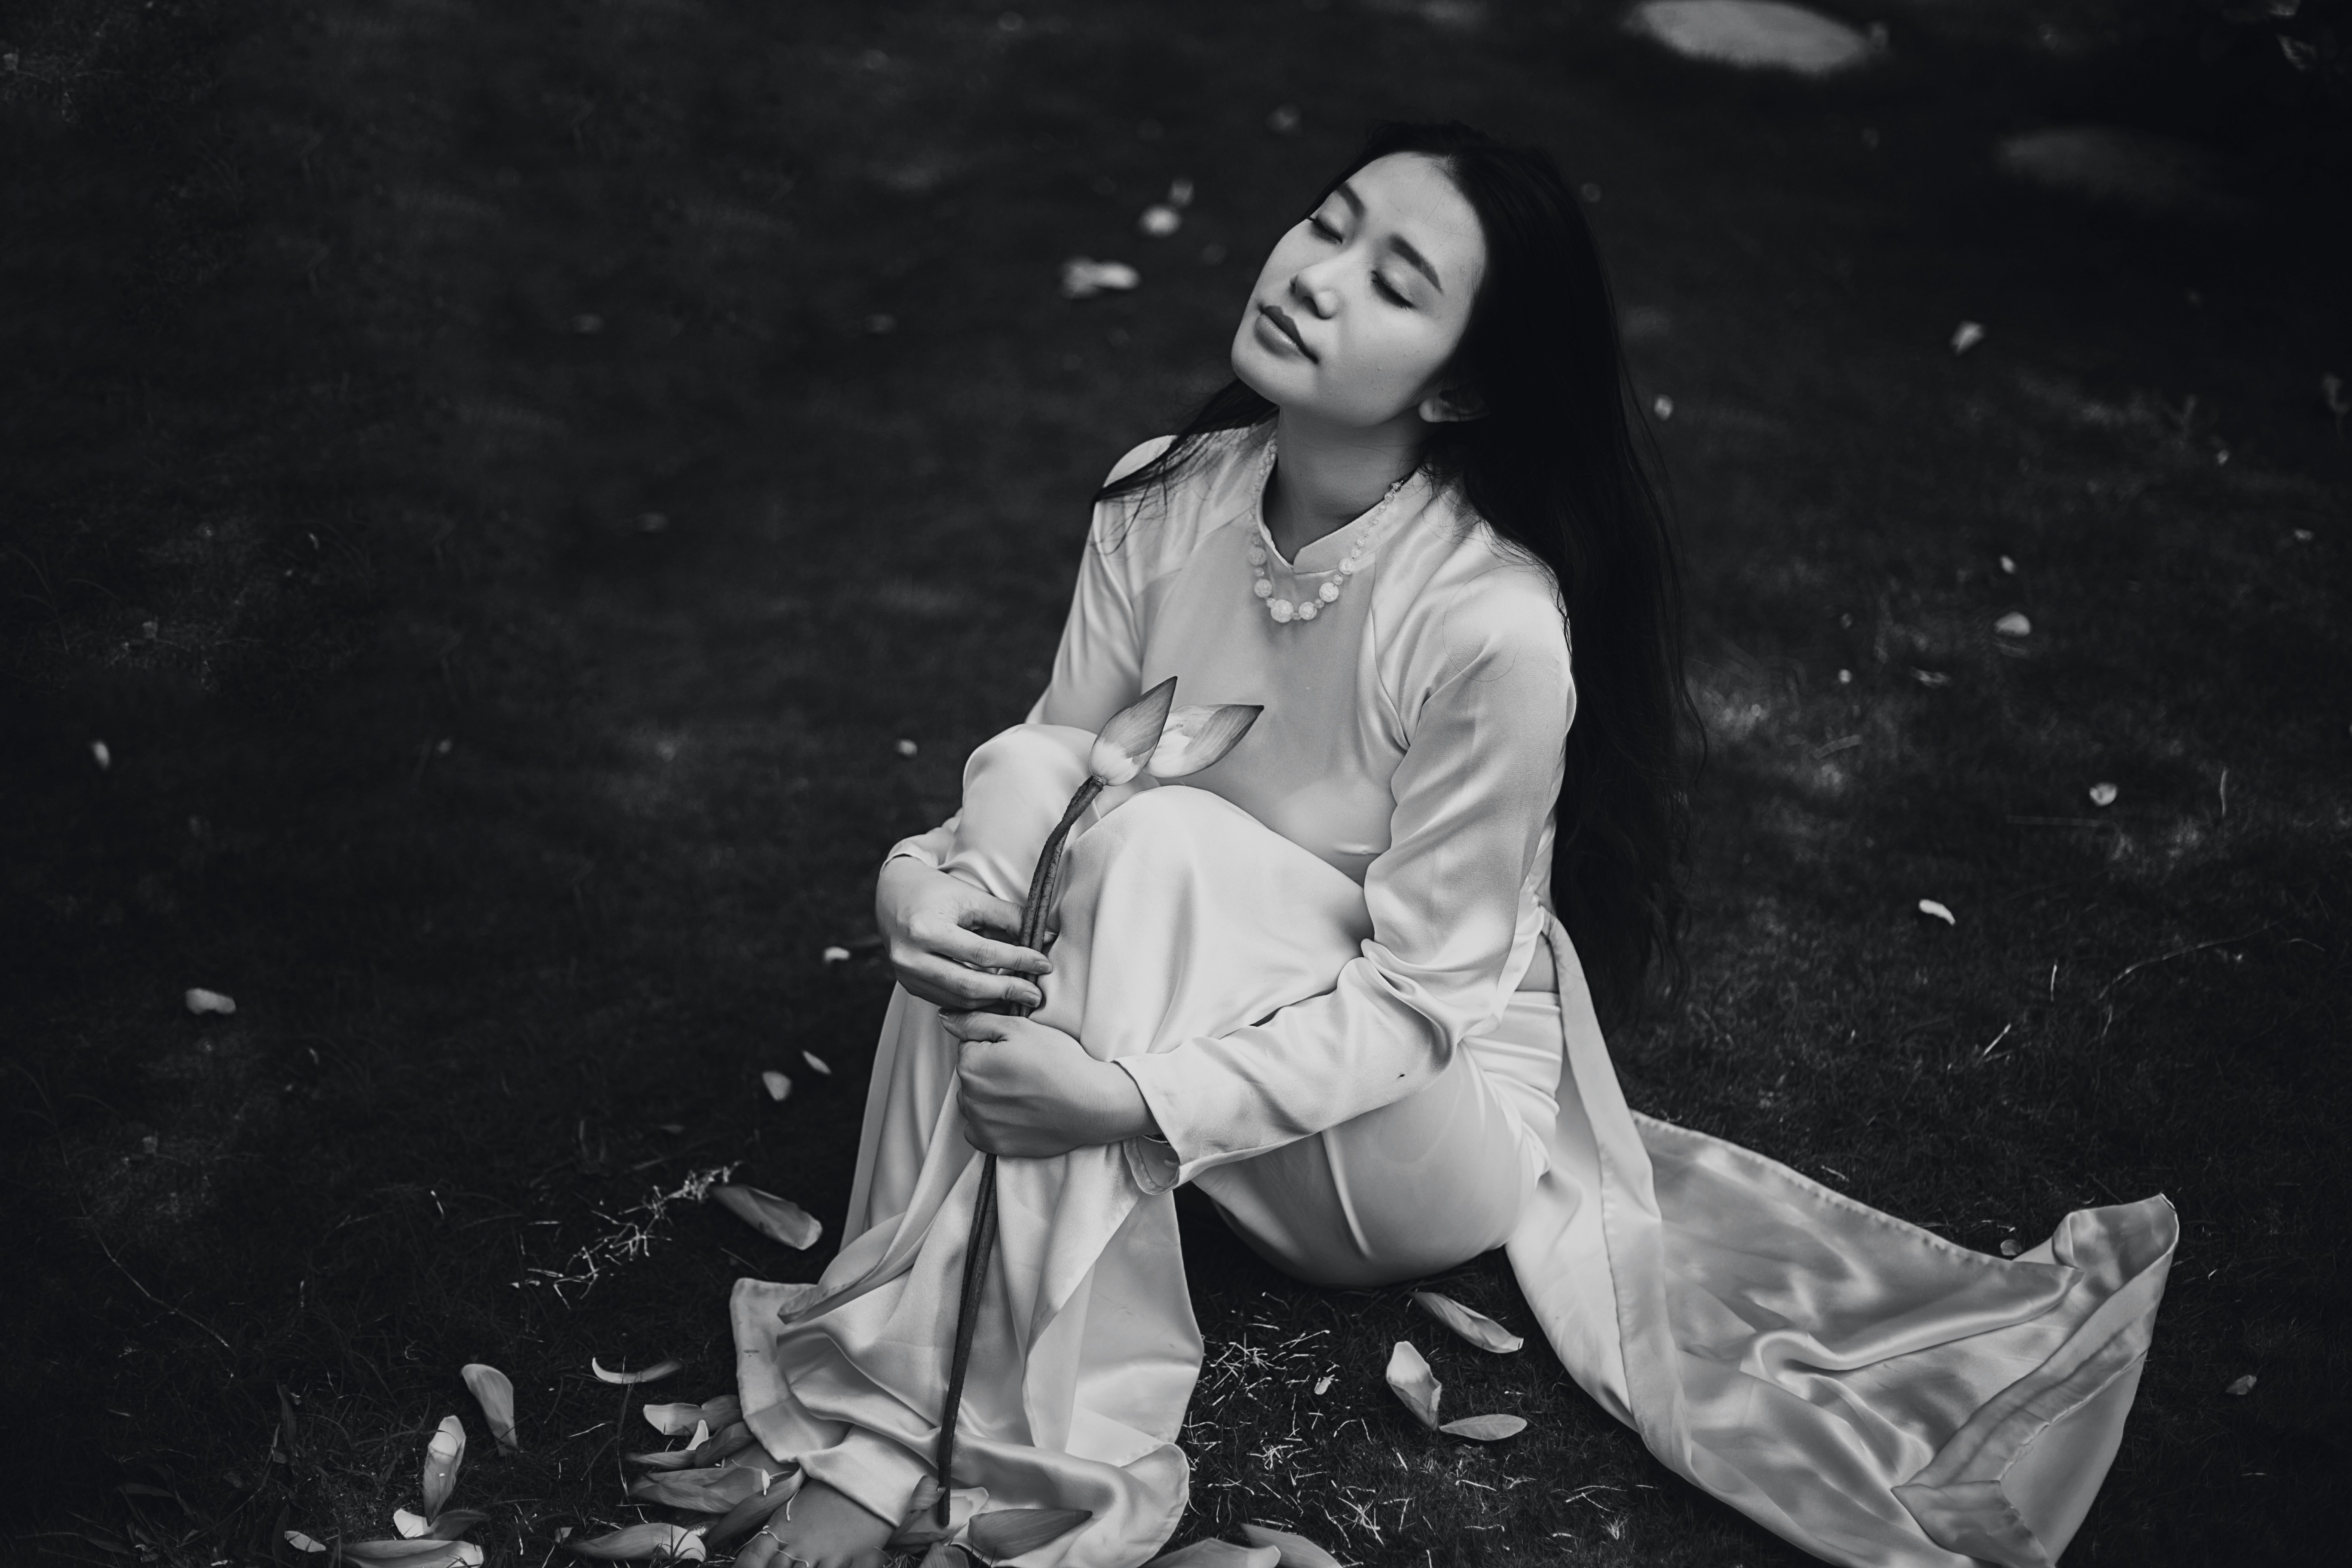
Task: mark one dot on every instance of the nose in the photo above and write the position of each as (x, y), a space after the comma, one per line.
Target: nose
(1307, 288)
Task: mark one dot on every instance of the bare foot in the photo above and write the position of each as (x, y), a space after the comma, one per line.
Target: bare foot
(826, 1530)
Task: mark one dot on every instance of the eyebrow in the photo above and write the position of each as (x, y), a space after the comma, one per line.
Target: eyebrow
(1404, 248)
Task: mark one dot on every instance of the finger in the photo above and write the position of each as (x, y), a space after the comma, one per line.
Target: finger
(935, 979)
(985, 911)
(971, 1026)
(970, 948)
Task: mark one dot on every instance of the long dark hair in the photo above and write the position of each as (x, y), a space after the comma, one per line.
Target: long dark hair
(1554, 468)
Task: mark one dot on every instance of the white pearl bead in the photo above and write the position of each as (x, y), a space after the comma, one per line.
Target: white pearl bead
(1347, 567)
(1281, 609)
(1328, 592)
(1307, 611)
(1257, 556)
(1263, 589)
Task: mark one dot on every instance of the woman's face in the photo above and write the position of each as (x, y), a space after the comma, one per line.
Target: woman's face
(1360, 307)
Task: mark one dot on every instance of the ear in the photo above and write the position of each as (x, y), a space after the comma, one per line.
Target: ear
(1452, 405)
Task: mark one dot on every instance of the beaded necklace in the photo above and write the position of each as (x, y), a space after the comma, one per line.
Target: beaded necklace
(1284, 610)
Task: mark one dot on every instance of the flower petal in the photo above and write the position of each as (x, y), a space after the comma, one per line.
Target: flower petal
(199, 1000)
(672, 1420)
(816, 1063)
(779, 1219)
(1010, 1532)
(1485, 1428)
(1412, 1382)
(410, 1523)
(1199, 738)
(639, 1543)
(777, 1085)
(1935, 911)
(421, 1553)
(495, 1394)
(754, 1512)
(444, 1452)
(301, 1542)
(1218, 1554)
(452, 1522)
(1297, 1552)
(1120, 749)
(723, 1411)
(654, 1373)
(1476, 1327)
(716, 1489)
(922, 1527)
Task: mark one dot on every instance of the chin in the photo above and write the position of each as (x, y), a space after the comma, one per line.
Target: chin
(1285, 384)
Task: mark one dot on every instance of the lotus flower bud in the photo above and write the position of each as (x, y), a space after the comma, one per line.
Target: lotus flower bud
(1200, 738)
(1124, 743)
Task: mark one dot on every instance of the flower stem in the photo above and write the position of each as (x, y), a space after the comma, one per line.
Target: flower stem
(982, 1241)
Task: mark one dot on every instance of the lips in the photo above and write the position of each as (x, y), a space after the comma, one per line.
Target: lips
(1287, 327)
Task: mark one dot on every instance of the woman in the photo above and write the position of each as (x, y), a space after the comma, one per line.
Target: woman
(1324, 980)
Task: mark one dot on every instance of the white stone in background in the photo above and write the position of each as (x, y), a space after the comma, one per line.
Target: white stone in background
(1753, 34)
(2129, 168)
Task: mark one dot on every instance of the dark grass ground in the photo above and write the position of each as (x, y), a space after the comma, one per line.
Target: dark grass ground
(351, 350)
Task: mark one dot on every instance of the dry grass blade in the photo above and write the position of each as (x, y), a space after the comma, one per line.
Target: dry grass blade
(1476, 1327)
(654, 1373)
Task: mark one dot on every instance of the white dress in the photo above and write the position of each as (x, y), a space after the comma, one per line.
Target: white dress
(1308, 959)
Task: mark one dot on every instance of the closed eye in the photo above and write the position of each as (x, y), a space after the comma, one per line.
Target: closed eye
(1315, 221)
(1390, 292)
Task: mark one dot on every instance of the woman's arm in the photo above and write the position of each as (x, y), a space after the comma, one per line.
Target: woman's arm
(1488, 719)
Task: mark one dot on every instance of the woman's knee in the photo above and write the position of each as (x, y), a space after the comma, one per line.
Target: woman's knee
(1028, 757)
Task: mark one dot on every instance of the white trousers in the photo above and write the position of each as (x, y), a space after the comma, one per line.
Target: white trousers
(1862, 1388)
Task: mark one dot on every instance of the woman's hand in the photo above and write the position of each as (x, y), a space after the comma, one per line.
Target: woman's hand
(931, 924)
(1032, 1091)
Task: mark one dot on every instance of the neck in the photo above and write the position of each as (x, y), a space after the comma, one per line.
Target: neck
(1327, 475)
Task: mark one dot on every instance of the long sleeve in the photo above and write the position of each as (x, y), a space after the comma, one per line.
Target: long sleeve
(1099, 668)
(1488, 711)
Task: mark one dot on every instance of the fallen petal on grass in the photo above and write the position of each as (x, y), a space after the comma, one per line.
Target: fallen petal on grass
(425, 1553)
(778, 1086)
(642, 1543)
(104, 757)
(200, 1001)
(754, 1512)
(452, 1522)
(1476, 1327)
(1160, 220)
(1083, 277)
(410, 1523)
(1966, 336)
(921, 1526)
(1485, 1428)
(1296, 1550)
(2016, 624)
(301, 1542)
(2240, 1386)
(674, 1420)
(1323, 1384)
(444, 1452)
(654, 1373)
(836, 955)
(723, 1411)
(1930, 908)
(1412, 1380)
(1009, 1533)
(779, 1219)
(719, 1489)
(495, 1394)
(2104, 794)
(1218, 1554)
(816, 1063)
